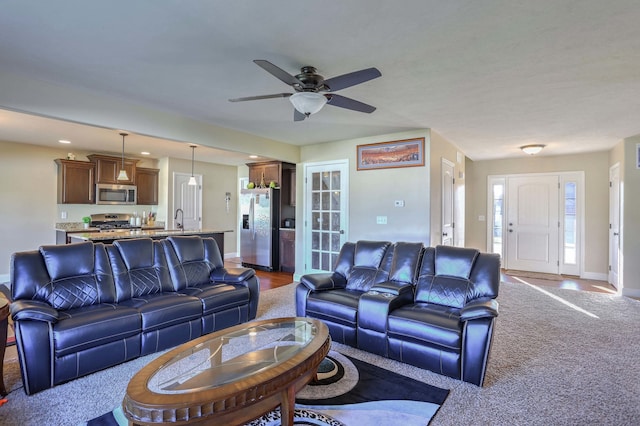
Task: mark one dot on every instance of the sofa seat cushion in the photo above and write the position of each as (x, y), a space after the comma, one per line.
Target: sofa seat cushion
(219, 297)
(427, 324)
(93, 326)
(338, 306)
(164, 310)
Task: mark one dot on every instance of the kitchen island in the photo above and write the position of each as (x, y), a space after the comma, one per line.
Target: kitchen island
(110, 236)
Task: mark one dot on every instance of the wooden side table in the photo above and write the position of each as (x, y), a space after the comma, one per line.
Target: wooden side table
(4, 324)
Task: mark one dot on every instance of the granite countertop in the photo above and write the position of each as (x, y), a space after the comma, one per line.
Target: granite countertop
(142, 233)
(79, 227)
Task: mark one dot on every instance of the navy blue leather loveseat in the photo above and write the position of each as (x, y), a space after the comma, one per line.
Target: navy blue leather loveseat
(83, 307)
(432, 307)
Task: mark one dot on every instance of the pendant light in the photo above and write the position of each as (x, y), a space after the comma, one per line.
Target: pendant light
(192, 179)
(123, 173)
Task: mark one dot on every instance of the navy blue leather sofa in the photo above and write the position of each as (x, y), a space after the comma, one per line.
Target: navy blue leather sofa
(83, 307)
(432, 307)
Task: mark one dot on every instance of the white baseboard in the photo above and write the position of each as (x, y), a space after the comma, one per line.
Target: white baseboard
(231, 255)
(4, 278)
(631, 292)
(296, 277)
(595, 276)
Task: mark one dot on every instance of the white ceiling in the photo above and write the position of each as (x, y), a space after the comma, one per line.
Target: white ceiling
(488, 76)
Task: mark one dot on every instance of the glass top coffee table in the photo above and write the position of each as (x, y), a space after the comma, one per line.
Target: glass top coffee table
(231, 376)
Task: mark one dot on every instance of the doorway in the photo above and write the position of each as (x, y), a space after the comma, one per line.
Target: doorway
(188, 198)
(536, 221)
(326, 191)
(447, 225)
(614, 227)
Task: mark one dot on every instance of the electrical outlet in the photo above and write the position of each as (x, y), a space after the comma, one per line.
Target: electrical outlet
(381, 220)
(63, 215)
(481, 218)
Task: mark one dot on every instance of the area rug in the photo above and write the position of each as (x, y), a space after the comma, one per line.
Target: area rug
(348, 392)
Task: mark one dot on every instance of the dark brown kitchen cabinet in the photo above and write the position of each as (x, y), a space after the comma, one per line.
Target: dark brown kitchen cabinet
(108, 168)
(147, 183)
(288, 250)
(76, 184)
(272, 172)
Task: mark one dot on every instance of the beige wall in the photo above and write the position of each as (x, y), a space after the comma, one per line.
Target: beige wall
(373, 192)
(596, 171)
(28, 198)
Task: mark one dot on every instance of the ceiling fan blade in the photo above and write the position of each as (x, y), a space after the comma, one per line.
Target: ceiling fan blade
(255, 98)
(348, 103)
(277, 72)
(347, 80)
(298, 116)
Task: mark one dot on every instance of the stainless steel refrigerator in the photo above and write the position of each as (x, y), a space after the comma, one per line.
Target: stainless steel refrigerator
(259, 241)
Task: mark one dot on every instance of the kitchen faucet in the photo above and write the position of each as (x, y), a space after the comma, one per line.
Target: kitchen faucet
(179, 225)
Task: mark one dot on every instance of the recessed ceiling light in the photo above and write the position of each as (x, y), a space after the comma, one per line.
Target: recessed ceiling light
(253, 156)
(64, 141)
(145, 153)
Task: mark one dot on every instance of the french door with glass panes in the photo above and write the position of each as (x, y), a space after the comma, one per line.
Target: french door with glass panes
(325, 226)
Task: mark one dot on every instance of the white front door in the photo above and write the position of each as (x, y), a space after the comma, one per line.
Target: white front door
(614, 226)
(188, 198)
(326, 189)
(447, 203)
(532, 224)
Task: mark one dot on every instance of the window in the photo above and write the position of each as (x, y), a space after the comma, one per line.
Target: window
(570, 223)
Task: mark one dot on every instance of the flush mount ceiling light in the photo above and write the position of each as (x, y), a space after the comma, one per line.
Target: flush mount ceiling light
(123, 173)
(308, 103)
(192, 179)
(532, 149)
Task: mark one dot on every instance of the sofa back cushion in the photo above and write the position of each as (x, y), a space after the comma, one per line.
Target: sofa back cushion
(139, 268)
(445, 276)
(405, 262)
(371, 263)
(191, 259)
(64, 276)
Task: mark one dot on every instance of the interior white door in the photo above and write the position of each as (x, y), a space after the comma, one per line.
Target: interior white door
(189, 199)
(448, 181)
(614, 226)
(533, 224)
(326, 214)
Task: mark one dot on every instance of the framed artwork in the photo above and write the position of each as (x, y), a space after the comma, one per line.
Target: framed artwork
(383, 155)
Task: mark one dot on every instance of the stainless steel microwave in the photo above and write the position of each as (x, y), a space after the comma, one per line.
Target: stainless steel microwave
(115, 194)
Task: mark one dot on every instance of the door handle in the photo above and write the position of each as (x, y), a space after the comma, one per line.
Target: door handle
(444, 234)
(510, 230)
(616, 234)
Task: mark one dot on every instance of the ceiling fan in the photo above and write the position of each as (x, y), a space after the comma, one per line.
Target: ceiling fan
(307, 100)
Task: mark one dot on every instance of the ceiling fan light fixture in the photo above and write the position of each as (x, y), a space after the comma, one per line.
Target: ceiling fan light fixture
(532, 149)
(308, 103)
(123, 173)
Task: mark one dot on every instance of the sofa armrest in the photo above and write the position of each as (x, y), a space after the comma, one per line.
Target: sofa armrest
(479, 308)
(316, 282)
(33, 310)
(232, 275)
(392, 288)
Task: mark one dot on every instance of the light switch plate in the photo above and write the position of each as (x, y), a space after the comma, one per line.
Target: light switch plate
(399, 203)
(381, 220)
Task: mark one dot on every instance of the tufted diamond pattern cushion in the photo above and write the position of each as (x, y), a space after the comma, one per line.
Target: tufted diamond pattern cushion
(74, 292)
(368, 257)
(443, 290)
(144, 282)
